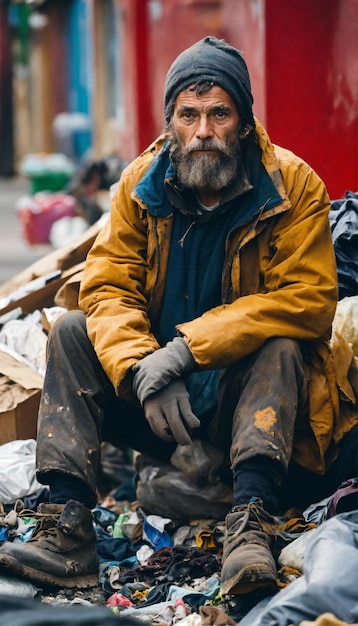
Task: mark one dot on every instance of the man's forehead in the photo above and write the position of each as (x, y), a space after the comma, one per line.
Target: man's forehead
(214, 96)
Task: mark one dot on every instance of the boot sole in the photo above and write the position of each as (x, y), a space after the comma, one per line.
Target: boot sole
(80, 582)
(248, 579)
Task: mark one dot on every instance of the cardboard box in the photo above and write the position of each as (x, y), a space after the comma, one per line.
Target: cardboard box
(21, 421)
(44, 295)
(20, 392)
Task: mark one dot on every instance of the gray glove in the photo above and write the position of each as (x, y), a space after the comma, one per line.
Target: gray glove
(169, 413)
(156, 370)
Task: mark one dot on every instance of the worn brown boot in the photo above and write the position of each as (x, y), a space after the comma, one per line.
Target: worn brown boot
(62, 549)
(247, 558)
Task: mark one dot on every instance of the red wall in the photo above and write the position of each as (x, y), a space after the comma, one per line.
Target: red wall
(303, 61)
(137, 129)
(312, 85)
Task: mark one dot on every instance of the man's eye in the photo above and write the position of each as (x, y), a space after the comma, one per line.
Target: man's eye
(220, 114)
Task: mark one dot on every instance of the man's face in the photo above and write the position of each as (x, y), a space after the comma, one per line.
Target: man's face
(205, 139)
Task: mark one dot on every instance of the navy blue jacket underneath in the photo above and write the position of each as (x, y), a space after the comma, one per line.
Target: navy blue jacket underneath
(197, 252)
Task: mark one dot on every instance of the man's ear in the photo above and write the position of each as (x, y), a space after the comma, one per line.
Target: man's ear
(244, 132)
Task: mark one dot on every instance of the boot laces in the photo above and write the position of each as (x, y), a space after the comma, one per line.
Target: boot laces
(254, 518)
(46, 526)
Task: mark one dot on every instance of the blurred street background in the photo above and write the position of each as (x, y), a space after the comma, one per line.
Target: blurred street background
(15, 253)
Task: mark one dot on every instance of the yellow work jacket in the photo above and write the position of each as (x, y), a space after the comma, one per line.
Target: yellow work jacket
(279, 279)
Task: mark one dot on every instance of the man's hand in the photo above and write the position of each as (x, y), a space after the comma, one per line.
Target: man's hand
(158, 369)
(169, 413)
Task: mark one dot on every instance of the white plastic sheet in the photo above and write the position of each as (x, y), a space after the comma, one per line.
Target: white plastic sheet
(17, 470)
(16, 587)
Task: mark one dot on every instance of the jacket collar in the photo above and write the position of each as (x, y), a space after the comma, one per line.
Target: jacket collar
(258, 183)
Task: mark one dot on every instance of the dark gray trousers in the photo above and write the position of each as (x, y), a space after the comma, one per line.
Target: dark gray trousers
(262, 403)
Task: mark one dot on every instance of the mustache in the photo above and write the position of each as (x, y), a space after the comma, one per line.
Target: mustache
(207, 144)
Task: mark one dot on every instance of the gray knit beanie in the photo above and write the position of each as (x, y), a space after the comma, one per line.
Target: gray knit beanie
(213, 60)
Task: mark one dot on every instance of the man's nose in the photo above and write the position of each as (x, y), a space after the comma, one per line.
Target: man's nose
(204, 129)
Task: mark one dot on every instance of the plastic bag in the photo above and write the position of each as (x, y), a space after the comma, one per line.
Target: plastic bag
(166, 490)
(346, 321)
(17, 470)
(293, 554)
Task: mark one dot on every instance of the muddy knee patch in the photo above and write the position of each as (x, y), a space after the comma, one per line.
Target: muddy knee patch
(265, 419)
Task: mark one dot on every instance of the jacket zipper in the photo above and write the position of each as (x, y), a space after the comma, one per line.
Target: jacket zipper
(228, 265)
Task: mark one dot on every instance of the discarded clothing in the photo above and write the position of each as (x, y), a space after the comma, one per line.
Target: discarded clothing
(176, 564)
(214, 616)
(115, 549)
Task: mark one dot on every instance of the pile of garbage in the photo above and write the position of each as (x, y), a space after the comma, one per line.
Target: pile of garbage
(163, 570)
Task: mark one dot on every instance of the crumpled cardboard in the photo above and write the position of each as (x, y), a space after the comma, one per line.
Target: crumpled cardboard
(20, 392)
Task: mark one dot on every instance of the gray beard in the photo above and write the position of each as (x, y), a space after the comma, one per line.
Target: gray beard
(204, 171)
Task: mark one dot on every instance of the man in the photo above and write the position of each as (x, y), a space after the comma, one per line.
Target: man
(207, 302)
